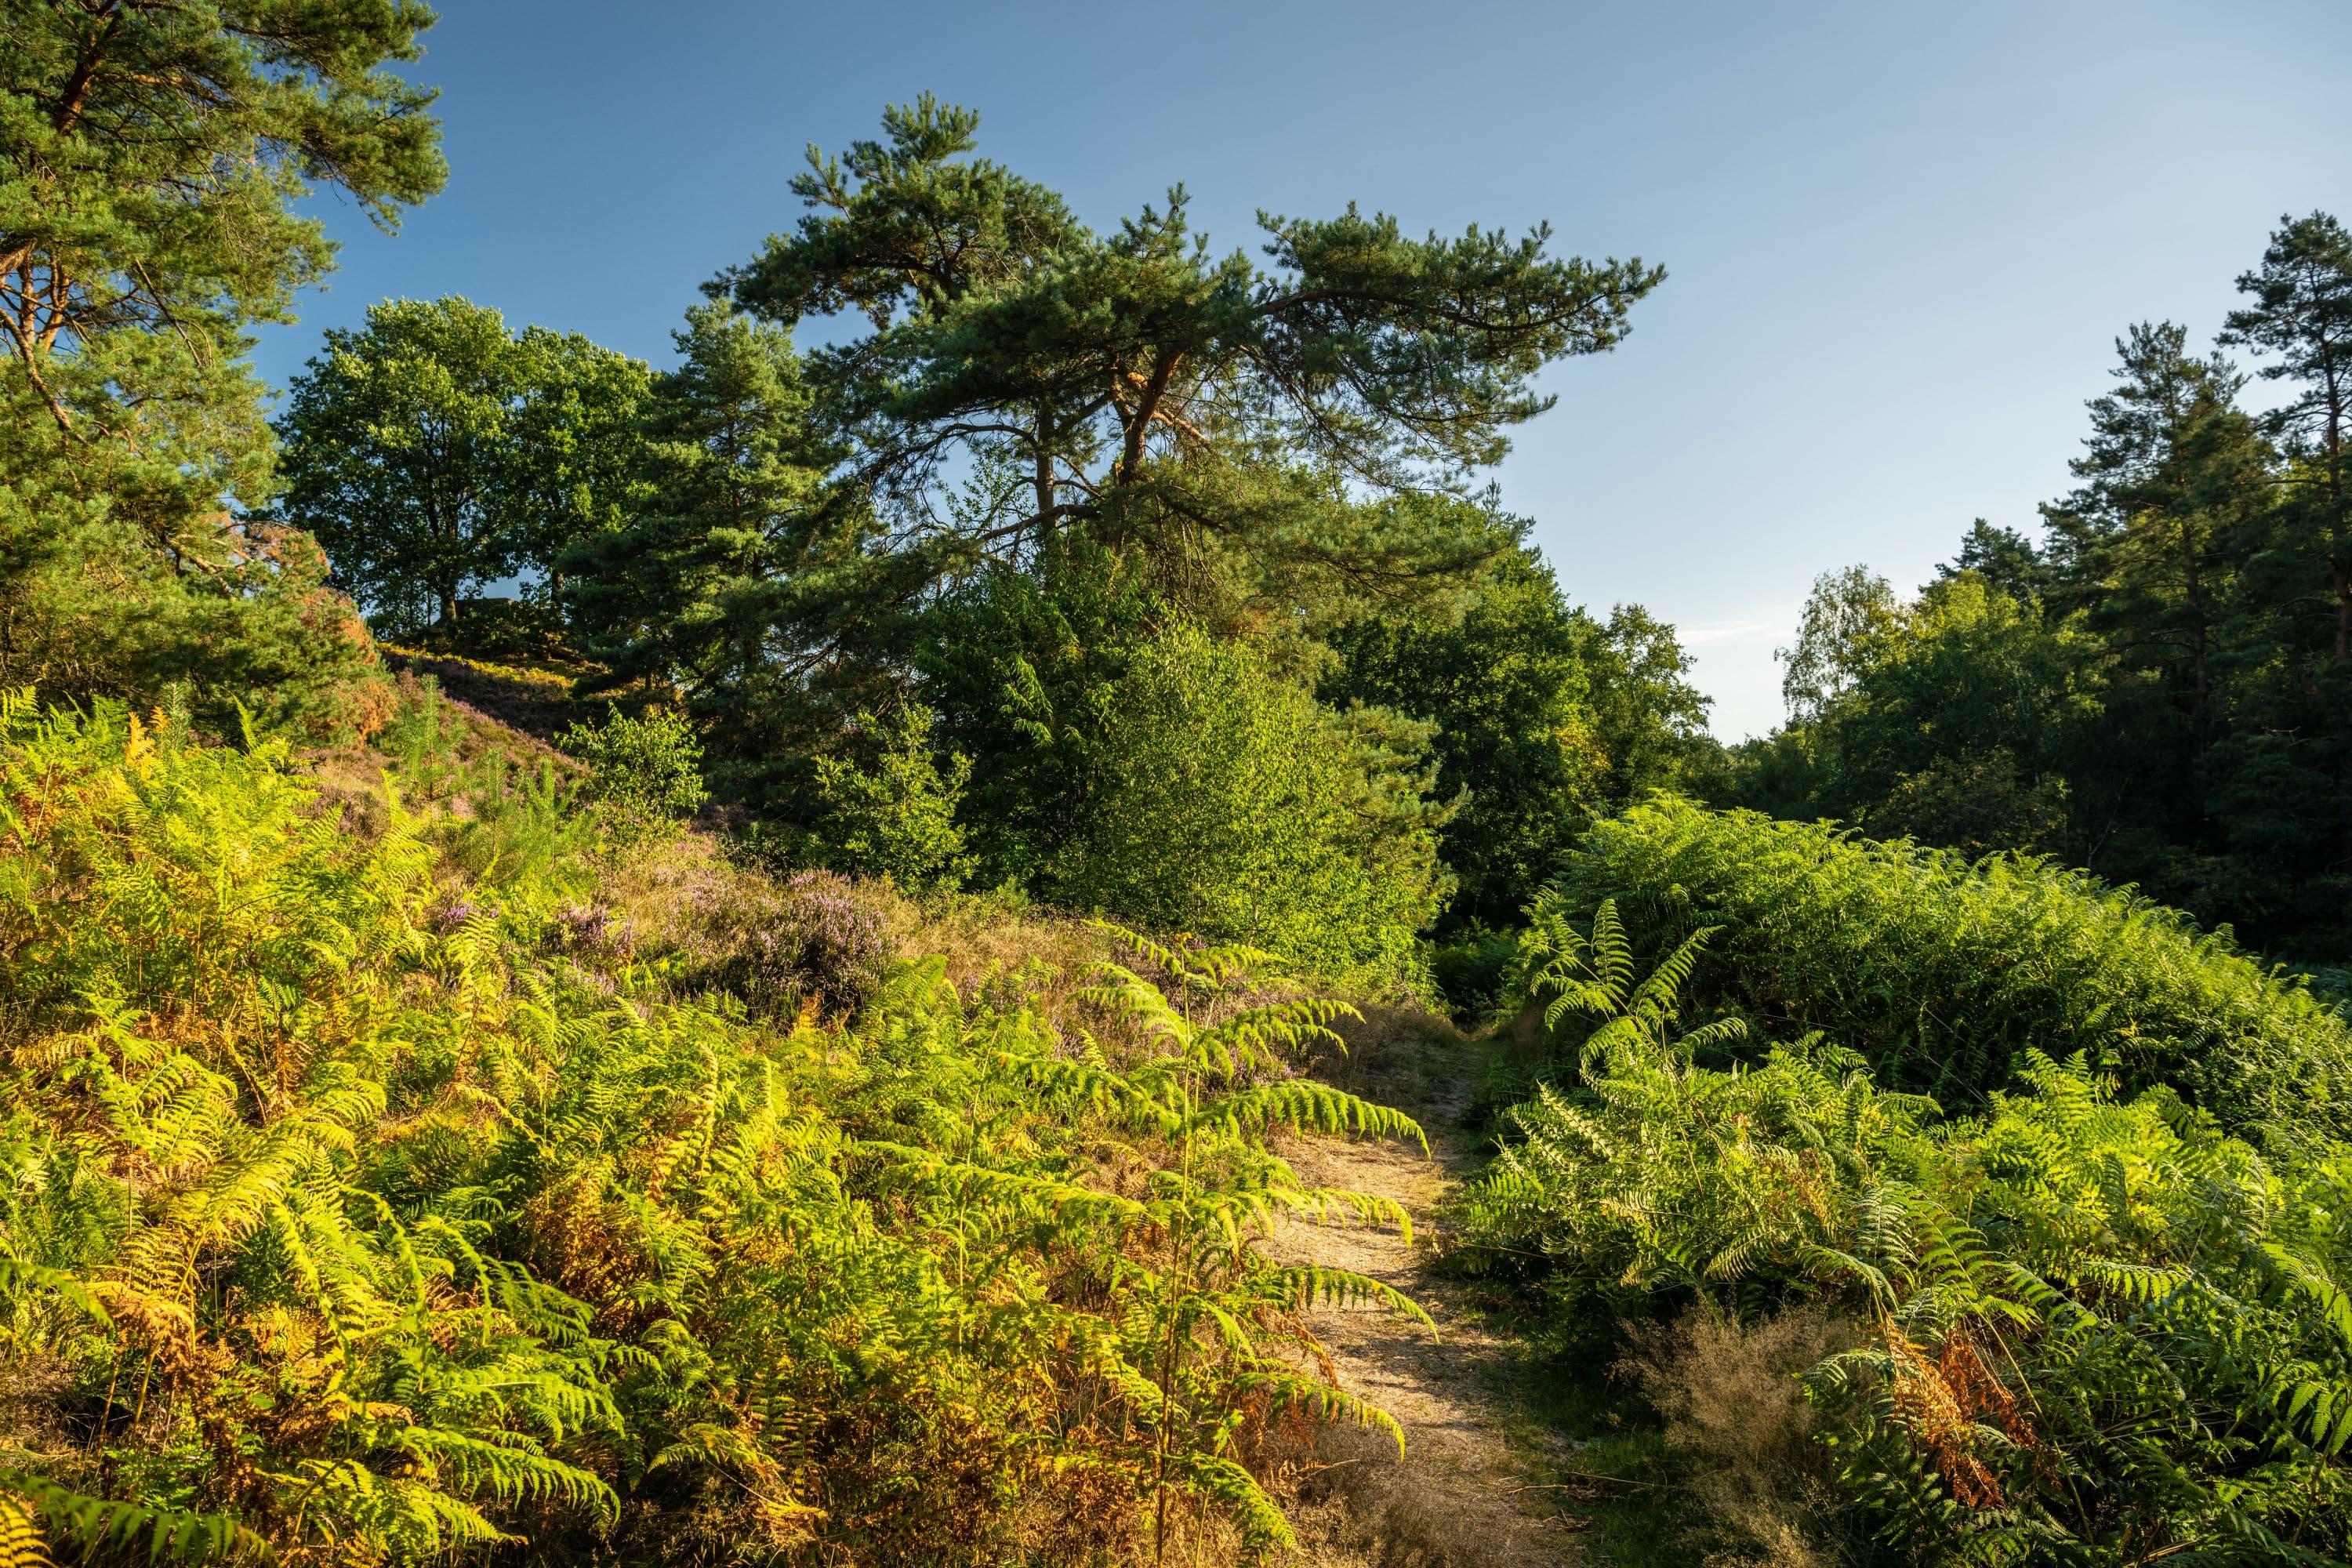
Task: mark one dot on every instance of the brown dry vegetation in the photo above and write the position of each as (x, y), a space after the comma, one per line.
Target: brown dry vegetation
(1738, 1421)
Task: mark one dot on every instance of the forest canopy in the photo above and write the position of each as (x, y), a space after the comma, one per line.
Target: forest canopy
(2159, 688)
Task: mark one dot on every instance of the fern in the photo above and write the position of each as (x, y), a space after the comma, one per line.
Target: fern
(94, 1524)
(2091, 1317)
(383, 1227)
(21, 1545)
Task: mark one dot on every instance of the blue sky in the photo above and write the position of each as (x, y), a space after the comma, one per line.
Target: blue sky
(1900, 239)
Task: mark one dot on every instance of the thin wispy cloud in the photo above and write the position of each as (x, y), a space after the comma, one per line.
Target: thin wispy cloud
(1732, 631)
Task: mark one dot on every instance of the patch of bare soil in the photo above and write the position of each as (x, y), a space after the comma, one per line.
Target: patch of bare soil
(1465, 1494)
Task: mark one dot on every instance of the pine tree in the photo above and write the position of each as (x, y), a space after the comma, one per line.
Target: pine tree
(2300, 320)
(151, 158)
(1228, 423)
(2174, 474)
(740, 578)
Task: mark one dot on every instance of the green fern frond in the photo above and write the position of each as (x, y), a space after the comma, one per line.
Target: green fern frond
(99, 1524)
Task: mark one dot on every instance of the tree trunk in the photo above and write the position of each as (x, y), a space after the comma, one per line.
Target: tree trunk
(1042, 476)
(2202, 716)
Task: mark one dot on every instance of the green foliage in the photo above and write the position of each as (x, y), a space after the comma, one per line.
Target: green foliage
(1978, 806)
(1650, 720)
(2094, 1331)
(420, 736)
(1468, 969)
(1543, 718)
(2159, 691)
(151, 157)
(1952, 719)
(897, 820)
(380, 1226)
(433, 452)
(519, 826)
(645, 772)
(91, 608)
(1657, 1174)
(1024, 670)
(2007, 560)
(1232, 806)
(740, 578)
(1250, 440)
(1944, 974)
(1848, 617)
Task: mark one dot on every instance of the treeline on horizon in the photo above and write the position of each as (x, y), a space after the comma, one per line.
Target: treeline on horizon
(2159, 688)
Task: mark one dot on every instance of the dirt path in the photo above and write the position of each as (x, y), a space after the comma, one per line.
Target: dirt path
(1468, 1491)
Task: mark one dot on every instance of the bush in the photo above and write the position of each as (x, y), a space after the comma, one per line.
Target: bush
(817, 936)
(91, 607)
(1234, 807)
(897, 820)
(1943, 974)
(645, 775)
(1468, 970)
(512, 824)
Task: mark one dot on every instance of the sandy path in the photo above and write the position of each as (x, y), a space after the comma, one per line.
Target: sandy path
(1463, 1494)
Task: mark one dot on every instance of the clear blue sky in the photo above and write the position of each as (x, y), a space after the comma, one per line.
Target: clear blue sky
(1899, 238)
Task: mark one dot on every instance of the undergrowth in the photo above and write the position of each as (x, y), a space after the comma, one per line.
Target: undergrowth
(366, 1203)
(2080, 1327)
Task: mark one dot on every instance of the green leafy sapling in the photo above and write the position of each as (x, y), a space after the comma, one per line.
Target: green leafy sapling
(897, 819)
(645, 775)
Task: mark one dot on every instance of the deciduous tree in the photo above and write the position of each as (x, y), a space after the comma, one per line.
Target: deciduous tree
(433, 452)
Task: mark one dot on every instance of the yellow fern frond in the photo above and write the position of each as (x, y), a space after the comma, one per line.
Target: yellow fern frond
(21, 1545)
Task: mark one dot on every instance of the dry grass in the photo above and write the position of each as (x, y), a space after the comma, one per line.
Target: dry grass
(1734, 1410)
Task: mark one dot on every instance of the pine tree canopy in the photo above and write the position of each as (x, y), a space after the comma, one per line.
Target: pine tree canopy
(152, 153)
(153, 150)
(1024, 375)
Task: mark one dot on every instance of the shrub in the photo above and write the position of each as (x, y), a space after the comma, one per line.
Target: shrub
(95, 605)
(511, 824)
(645, 775)
(419, 736)
(1235, 809)
(1468, 970)
(899, 819)
(1944, 974)
(820, 938)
